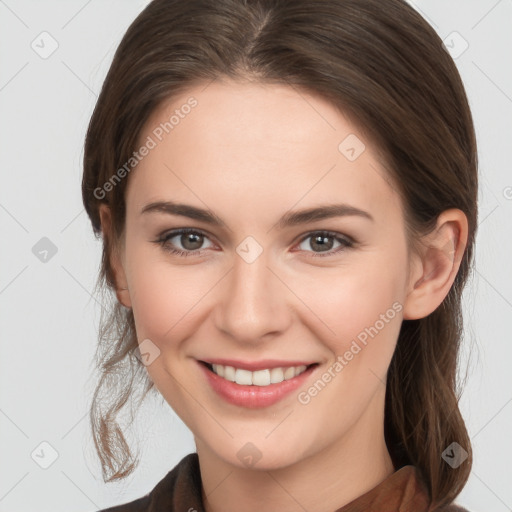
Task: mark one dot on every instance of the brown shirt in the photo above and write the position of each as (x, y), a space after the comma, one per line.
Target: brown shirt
(180, 491)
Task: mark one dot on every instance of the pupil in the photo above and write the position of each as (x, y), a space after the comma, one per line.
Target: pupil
(188, 238)
(321, 244)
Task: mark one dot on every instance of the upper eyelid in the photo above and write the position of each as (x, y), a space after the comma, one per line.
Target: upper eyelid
(171, 233)
(177, 231)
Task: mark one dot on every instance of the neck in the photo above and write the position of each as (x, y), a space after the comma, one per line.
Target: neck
(340, 472)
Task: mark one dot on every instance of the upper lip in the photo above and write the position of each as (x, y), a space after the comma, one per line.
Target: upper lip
(257, 365)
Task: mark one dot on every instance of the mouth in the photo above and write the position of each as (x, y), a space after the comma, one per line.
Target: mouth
(262, 387)
(261, 377)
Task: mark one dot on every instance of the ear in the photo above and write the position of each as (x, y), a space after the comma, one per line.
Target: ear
(115, 259)
(434, 270)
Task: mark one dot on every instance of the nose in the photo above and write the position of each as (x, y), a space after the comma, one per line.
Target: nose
(253, 303)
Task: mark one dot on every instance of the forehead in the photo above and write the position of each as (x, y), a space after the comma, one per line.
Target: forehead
(251, 145)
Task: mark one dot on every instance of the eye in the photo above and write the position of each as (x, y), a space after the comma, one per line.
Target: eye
(324, 241)
(190, 239)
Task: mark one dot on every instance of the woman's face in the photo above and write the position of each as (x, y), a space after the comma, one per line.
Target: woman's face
(262, 286)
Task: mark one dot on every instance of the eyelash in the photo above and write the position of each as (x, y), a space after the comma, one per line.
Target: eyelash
(163, 241)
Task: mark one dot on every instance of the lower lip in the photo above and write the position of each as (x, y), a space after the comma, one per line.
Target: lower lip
(254, 397)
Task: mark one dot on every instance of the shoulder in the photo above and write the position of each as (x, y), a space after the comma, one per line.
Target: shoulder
(183, 482)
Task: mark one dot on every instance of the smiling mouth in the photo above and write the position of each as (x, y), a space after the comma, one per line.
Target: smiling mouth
(263, 377)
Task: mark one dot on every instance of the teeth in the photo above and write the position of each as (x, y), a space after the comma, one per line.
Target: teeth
(259, 377)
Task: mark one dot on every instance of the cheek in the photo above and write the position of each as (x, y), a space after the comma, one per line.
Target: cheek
(164, 296)
(360, 303)
(363, 306)
(343, 303)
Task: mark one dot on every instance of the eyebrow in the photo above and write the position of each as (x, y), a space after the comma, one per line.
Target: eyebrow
(289, 219)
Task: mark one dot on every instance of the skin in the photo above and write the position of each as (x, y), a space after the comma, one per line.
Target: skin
(250, 153)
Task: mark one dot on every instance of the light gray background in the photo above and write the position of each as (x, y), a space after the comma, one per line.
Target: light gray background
(49, 317)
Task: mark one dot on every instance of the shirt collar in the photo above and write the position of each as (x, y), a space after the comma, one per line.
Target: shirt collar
(402, 491)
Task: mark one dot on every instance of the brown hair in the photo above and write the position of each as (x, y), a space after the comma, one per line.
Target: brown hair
(383, 65)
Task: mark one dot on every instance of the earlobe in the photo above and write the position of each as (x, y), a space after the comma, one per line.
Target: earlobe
(116, 266)
(438, 265)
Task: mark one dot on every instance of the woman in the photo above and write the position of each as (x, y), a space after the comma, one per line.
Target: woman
(286, 193)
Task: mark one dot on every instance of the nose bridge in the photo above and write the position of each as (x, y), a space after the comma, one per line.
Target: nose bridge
(254, 299)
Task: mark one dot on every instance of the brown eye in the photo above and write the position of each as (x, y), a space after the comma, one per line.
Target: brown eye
(323, 242)
(184, 242)
(191, 241)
